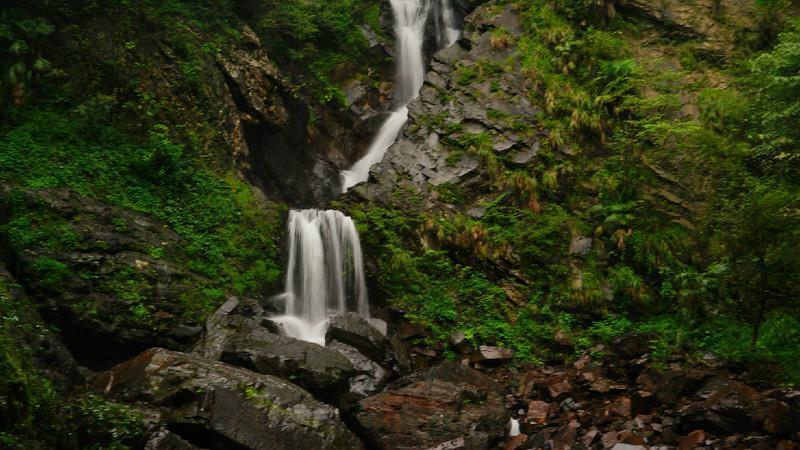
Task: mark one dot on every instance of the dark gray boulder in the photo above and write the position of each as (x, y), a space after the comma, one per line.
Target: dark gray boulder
(323, 371)
(355, 331)
(205, 404)
(371, 377)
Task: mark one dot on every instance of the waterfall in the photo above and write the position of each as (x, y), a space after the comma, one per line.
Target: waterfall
(410, 20)
(325, 275)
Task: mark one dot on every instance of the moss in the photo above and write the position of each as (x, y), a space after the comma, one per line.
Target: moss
(229, 235)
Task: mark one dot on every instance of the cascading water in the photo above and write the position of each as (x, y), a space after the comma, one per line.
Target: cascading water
(410, 17)
(325, 275)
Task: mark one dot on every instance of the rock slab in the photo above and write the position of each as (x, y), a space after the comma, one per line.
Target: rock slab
(201, 403)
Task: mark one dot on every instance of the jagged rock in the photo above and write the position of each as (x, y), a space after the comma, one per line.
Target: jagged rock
(371, 377)
(449, 404)
(558, 387)
(210, 404)
(323, 371)
(697, 19)
(538, 412)
(256, 81)
(357, 332)
(490, 353)
(731, 408)
(693, 440)
(418, 162)
(633, 345)
(580, 246)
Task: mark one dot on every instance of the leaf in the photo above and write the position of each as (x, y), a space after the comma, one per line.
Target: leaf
(19, 47)
(41, 65)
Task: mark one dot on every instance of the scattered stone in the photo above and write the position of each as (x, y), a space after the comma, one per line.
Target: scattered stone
(558, 387)
(516, 442)
(633, 345)
(729, 410)
(628, 447)
(489, 353)
(610, 439)
(580, 246)
(695, 439)
(622, 407)
(538, 412)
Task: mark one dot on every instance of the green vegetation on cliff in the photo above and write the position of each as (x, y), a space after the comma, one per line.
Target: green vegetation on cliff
(675, 157)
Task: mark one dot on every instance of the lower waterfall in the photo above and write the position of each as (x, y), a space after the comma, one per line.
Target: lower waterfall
(325, 274)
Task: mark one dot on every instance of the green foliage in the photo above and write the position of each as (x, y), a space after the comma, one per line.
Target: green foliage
(775, 85)
(25, 394)
(320, 37)
(229, 235)
(104, 424)
(21, 58)
(759, 246)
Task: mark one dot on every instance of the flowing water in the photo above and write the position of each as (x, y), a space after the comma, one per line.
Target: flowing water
(325, 275)
(410, 20)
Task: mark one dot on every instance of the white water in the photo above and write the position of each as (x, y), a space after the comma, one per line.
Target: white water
(513, 427)
(410, 19)
(325, 275)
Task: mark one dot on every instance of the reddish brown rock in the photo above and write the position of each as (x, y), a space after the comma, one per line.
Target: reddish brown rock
(601, 386)
(622, 407)
(434, 407)
(589, 437)
(695, 439)
(582, 362)
(538, 412)
(516, 442)
(566, 436)
(610, 439)
(558, 387)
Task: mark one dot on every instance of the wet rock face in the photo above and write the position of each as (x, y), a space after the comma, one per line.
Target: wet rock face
(202, 404)
(456, 104)
(270, 126)
(448, 406)
(112, 246)
(704, 19)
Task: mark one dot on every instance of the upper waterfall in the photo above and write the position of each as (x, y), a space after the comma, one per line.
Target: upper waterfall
(410, 20)
(325, 275)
